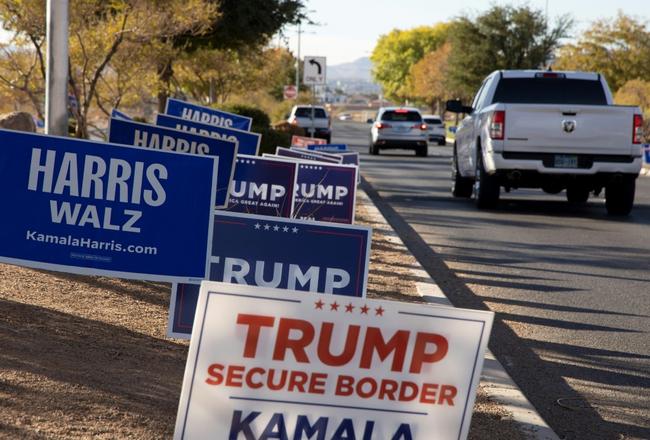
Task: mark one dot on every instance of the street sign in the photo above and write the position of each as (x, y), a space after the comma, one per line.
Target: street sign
(94, 208)
(279, 253)
(314, 71)
(270, 364)
(290, 92)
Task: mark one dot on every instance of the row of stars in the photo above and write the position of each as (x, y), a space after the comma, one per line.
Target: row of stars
(349, 308)
(311, 167)
(248, 161)
(275, 228)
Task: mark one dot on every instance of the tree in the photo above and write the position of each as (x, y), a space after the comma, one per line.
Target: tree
(428, 78)
(504, 37)
(98, 31)
(618, 48)
(634, 92)
(240, 25)
(397, 52)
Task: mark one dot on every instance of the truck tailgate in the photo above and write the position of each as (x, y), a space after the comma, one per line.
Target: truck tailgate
(555, 128)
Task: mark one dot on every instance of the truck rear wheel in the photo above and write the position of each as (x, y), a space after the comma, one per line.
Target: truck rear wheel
(486, 187)
(460, 186)
(619, 195)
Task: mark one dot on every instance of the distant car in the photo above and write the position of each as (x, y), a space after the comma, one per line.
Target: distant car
(435, 129)
(398, 127)
(345, 117)
(301, 116)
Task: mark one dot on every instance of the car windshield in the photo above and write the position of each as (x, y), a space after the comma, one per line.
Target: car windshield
(401, 116)
(305, 112)
(550, 91)
(432, 121)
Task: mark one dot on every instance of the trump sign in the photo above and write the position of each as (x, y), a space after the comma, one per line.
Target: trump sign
(326, 192)
(104, 209)
(279, 253)
(265, 364)
(263, 186)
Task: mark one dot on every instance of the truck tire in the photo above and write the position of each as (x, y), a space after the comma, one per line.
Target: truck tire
(460, 186)
(619, 195)
(422, 151)
(486, 187)
(577, 195)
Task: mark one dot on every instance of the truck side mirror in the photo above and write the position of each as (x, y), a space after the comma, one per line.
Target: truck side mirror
(370, 121)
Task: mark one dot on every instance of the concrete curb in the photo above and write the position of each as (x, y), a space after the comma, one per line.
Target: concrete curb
(496, 382)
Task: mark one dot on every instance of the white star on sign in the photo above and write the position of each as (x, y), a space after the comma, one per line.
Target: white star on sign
(294, 230)
(267, 227)
(285, 229)
(257, 225)
(276, 228)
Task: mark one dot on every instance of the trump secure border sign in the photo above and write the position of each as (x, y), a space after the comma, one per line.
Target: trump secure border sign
(265, 363)
(103, 209)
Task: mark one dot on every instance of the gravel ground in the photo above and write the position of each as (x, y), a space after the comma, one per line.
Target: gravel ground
(86, 357)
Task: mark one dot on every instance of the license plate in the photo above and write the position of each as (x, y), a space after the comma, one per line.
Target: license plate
(566, 161)
(402, 129)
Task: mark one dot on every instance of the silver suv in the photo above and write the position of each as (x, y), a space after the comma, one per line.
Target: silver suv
(399, 127)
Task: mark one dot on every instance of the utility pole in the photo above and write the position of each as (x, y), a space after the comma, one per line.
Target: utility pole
(56, 82)
(298, 64)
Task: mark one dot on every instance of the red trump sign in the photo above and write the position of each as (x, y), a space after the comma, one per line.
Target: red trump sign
(267, 363)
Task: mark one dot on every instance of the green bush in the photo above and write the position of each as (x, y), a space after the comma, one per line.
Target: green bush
(261, 120)
(272, 138)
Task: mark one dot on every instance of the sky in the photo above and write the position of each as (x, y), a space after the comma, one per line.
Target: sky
(349, 29)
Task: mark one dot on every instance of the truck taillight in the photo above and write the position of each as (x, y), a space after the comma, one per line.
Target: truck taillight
(420, 126)
(381, 125)
(637, 129)
(497, 125)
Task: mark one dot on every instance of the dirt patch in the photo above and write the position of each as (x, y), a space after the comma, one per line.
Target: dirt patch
(86, 357)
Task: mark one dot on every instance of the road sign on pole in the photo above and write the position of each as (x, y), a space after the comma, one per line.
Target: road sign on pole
(290, 92)
(314, 71)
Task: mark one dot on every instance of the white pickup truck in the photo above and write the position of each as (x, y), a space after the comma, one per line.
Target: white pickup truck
(550, 130)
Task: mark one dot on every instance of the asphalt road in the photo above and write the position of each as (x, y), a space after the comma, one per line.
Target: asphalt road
(570, 286)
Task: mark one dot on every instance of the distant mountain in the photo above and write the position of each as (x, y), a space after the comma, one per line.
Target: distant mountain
(356, 70)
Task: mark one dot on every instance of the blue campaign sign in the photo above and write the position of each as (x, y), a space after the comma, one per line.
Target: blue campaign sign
(162, 138)
(206, 115)
(263, 186)
(298, 154)
(102, 209)
(350, 158)
(279, 253)
(333, 148)
(115, 113)
(647, 154)
(326, 192)
(336, 157)
(249, 143)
